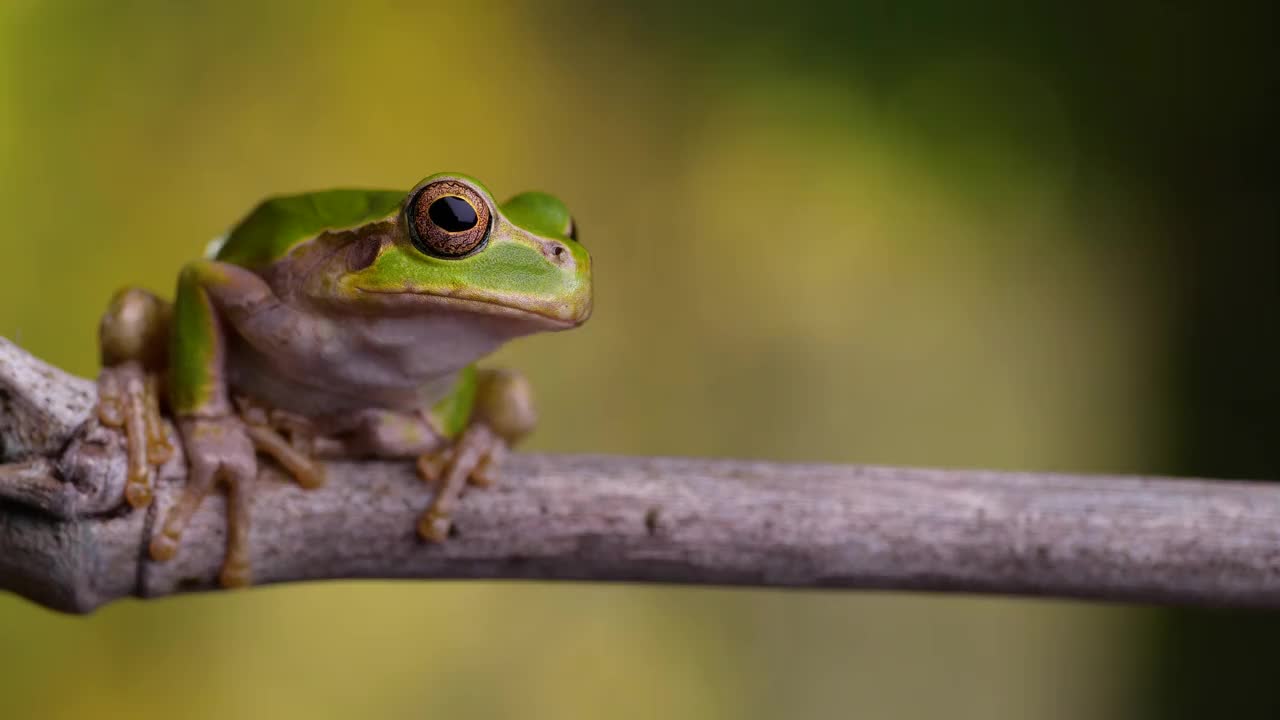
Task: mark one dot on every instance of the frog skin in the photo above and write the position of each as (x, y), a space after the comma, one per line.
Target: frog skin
(341, 324)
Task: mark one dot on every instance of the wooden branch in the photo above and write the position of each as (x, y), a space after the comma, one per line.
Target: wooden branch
(67, 543)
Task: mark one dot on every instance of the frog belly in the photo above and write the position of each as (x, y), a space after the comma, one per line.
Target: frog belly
(321, 367)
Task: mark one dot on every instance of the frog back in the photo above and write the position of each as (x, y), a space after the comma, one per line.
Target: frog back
(278, 224)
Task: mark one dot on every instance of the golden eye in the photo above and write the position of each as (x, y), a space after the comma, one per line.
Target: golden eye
(448, 219)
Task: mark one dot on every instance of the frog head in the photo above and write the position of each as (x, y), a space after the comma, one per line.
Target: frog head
(451, 248)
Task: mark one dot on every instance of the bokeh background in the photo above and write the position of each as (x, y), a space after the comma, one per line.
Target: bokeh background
(994, 235)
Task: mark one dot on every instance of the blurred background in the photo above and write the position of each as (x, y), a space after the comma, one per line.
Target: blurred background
(921, 233)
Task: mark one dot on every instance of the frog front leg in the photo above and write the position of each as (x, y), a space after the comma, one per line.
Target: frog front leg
(501, 415)
(214, 298)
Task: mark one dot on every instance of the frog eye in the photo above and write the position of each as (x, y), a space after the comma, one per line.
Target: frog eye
(448, 219)
(572, 232)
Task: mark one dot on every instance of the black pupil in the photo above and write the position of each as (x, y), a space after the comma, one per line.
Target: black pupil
(452, 214)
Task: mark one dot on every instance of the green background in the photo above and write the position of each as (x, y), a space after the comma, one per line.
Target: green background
(921, 233)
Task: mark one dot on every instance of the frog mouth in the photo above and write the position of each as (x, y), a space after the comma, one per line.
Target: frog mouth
(409, 299)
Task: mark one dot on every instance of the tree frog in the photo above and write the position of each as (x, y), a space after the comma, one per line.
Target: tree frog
(341, 324)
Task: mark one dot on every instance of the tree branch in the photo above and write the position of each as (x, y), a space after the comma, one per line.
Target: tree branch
(67, 543)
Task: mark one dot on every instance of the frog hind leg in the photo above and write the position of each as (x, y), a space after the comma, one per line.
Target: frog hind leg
(501, 415)
(133, 340)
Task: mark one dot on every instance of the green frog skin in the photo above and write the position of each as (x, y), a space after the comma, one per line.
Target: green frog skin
(341, 324)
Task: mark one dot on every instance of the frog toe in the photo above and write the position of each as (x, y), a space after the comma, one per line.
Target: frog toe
(434, 526)
(159, 449)
(295, 455)
(235, 575)
(489, 469)
(164, 546)
(138, 495)
(469, 461)
(128, 400)
(431, 465)
(306, 470)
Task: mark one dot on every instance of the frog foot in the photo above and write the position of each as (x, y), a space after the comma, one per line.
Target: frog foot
(267, 429)
(129, 400)
(218, 448)
(475, 458)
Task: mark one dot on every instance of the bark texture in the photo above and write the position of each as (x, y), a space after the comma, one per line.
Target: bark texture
(67, 542)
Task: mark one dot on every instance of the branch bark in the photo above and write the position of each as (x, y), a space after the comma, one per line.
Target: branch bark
(67, 542)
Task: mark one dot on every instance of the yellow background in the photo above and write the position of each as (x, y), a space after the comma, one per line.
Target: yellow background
(790, 265)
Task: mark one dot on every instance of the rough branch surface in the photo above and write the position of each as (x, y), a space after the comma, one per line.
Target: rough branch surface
(66, 542)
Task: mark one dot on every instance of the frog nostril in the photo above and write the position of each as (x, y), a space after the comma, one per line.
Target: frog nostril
(556, 252)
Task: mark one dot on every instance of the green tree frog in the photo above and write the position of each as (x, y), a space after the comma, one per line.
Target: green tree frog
(341, 324)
